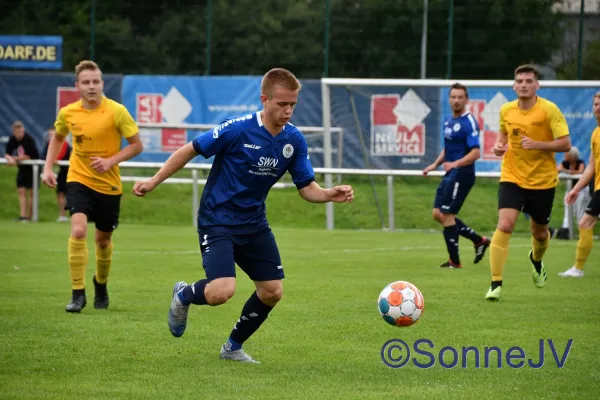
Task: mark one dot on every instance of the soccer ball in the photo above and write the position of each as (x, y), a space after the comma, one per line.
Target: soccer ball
(400, 303)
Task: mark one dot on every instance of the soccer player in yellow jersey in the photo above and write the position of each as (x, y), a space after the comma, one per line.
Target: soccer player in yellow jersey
(592, 212)
(532, 129)
(94, 190)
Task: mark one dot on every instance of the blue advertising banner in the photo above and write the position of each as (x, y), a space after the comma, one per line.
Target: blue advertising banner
(185, 100)
(387, 127)
(31, 52)
(485, 104)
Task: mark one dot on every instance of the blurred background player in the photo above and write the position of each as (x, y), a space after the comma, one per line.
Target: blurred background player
(532, 129)
(251, 154)
(461, 150)
(94, 186)
(592, 212)
(21, 146)
(572, 165)
(61, 178)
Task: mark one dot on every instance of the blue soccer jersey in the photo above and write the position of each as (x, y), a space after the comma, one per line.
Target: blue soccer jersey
(248, 162)
(461, 135)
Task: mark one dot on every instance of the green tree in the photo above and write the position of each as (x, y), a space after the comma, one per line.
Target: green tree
(590, 66)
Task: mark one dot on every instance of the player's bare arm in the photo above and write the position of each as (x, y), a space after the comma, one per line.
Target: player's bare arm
(48, 176)
(134, 148)
(316, 194)
(174, 163)
(438, 161)
(468, 159)
(501, 144)
(562, 144)
(587, 176)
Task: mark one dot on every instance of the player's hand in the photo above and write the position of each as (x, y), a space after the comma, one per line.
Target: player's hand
(100, 164)
(500, 149)
(429, 168)
(140, 188)
(49, 178)
(528, 143)
(572, 196)
(448, 166)
(10, 160)
(341, 194)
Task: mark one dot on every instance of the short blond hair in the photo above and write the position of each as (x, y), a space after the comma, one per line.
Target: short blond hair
(597, 94)
(279, 76)
(86, 65)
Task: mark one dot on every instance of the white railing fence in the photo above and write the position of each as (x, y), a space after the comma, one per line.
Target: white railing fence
(327, 172)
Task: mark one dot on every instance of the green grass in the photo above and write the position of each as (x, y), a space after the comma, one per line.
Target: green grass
(323, 340)
(172, 204)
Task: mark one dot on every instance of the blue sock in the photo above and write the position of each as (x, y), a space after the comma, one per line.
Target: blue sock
(233, 345)
(194, 293)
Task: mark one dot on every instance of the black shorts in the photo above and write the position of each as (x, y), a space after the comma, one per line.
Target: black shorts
(256, 254)
(593, 208)
(25, 178)
(61, 180)
(535, 202)
(103, 209)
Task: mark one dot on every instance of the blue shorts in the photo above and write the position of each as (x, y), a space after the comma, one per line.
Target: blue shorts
(256, 254)
(452, 192)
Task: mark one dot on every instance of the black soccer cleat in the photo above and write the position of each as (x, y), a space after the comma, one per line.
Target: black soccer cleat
(450, 264)
(78, 302)
(481, 248)
(101, 295)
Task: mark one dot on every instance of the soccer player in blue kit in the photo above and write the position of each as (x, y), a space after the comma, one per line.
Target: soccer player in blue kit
(251, 153)
(461, 150)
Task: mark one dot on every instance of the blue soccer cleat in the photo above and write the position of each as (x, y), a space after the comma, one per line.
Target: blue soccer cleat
(178, 313)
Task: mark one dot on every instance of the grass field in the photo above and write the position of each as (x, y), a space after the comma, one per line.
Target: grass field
(323, 341)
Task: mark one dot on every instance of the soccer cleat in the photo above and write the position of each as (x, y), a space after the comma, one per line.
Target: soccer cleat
(178, 313)
(450, 264)
(493, 295)
(572, 272)
(100, 296)
(236, 355)
(539, 278)
(480, 249)
(78, 303)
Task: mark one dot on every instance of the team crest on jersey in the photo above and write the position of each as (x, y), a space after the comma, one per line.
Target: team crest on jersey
(456, 127)
(288, 150)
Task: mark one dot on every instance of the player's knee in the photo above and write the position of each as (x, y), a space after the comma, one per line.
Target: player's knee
(540, 235)
(271, 294)
(437, 215)
(506, 225)
(219, 291)
(78, 231)
(103, 243)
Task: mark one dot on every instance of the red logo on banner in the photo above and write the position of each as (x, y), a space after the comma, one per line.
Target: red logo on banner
(487, 137)
(173, 139)
(148, 108)
(66, 96)
(390, 136)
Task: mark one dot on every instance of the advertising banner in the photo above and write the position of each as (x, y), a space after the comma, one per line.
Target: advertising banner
(30, 52)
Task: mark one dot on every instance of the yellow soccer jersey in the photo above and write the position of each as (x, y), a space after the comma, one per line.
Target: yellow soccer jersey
(96, 133)
(531, 169)
(595, 147)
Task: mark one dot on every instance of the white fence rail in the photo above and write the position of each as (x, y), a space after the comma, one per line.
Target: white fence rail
(328, 172)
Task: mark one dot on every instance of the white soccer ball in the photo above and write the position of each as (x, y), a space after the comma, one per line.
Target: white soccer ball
(400, 303)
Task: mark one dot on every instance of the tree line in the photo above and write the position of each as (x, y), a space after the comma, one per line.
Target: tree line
(367, 38)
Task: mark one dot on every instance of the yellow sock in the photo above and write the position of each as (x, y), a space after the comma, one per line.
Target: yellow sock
(539, 248)
(584, 247)
(78, 259)
(103, 261)
(498, 254)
